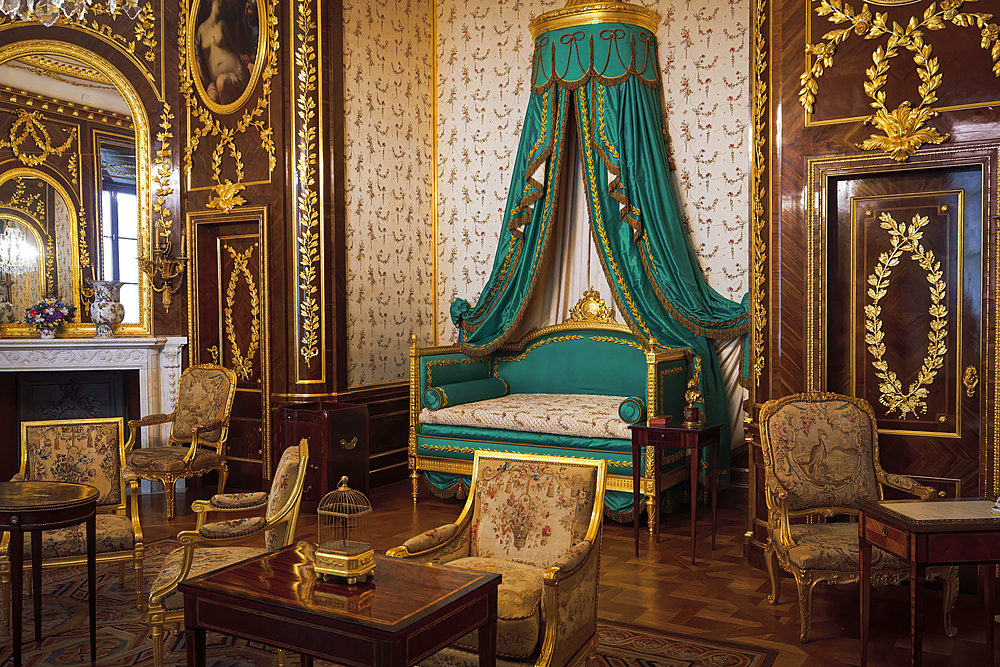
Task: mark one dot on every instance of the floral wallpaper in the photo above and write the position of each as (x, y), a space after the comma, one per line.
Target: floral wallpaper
(389, 154)
(483, 54)
(484, 51)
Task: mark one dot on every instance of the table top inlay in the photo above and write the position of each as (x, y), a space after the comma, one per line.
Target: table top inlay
(24, 496)
(402, 592)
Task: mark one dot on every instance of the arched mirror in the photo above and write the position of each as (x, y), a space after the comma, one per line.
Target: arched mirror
(74, 183)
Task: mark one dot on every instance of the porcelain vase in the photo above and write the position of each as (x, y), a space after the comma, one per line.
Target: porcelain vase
(106, 310)
(48, 333)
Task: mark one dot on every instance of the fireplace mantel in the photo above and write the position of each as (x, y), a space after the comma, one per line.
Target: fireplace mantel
(158, 361)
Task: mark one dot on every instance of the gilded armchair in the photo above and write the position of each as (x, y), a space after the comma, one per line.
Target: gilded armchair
(537, 521)
(820, 458)
(198, 432)
(85, 451)
(198, 552)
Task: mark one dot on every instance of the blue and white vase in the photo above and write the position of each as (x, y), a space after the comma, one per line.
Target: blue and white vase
(106, 309)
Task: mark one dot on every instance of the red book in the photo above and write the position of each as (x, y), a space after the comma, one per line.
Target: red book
(661, 421)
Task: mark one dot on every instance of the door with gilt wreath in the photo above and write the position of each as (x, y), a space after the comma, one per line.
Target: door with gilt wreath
(227, 290)
(906, 315)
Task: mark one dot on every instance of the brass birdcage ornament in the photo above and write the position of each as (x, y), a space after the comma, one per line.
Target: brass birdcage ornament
(344, 527)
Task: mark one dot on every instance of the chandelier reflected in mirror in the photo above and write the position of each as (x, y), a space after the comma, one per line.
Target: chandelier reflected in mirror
(48, 11)
(17, 257)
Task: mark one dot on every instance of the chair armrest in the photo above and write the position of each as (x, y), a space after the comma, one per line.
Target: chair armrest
(777, 503)
(149, 420)
(196, 432)
(569, 562)
(908, 484)
(569, 600)
(133, 492)
(441, 545)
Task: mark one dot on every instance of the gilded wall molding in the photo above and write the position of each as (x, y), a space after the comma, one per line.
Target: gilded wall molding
(206, 115)
(904, 127)
(306, 196)
(758, 218)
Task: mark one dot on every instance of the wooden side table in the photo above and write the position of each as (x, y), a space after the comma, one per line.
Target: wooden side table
(34, 507)
(690, 440)
(407, 613)
(925, 533)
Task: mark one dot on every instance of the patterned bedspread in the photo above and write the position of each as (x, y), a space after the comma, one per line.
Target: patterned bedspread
(584, 415)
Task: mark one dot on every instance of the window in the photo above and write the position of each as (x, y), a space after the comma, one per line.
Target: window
(120, 244)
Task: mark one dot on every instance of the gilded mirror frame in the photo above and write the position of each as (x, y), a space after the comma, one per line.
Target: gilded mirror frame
(20, 173)
(140, 121)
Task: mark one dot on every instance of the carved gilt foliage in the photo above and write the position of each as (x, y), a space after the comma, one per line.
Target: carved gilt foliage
(904, 127)
(208, 125)
(906, 238)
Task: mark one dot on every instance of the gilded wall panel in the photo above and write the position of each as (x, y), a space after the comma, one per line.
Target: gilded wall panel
(390, 185)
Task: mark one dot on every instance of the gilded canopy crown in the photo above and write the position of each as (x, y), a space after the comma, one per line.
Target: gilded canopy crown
(588, 12)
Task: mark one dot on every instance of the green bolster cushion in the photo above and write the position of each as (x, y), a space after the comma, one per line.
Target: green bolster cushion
(464, 392)
(632, 410)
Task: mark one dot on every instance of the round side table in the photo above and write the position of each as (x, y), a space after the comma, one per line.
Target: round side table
(34, 507)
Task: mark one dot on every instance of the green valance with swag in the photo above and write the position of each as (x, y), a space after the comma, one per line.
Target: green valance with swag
(596, 81)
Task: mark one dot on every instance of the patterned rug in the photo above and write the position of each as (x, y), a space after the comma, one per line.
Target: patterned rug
(123, 636)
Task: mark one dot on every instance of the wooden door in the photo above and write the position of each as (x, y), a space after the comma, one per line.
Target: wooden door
(906, 285)
(229, 316)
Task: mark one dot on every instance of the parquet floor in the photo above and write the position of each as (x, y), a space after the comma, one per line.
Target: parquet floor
(719, 596)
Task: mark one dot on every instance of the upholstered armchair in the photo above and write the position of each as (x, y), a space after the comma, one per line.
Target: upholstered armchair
(85, 451)
(199, 550)
(820, 458)
(537, 521)
(198, 431)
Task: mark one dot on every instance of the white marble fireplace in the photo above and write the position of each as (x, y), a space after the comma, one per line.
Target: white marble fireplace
(158, 361)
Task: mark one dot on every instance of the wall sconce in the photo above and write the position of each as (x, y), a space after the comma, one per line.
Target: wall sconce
(166, 273)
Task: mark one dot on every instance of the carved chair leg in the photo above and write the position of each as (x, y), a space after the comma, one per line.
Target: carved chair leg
(223, 476)
(804, 584)
(168, 491)
(415, 484)
(157, 635)
(772, 571)
(137, 564)
(950, 578)
(121, 574)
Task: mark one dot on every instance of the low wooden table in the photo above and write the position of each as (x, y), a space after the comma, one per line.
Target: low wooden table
(927, 533)
(690, 440)
(34, 507)
(408, 613)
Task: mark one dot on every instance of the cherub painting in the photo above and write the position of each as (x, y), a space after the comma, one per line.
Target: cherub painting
(225, 47)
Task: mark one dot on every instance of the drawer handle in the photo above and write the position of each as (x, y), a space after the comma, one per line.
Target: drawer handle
(349, 445)
(885, 532)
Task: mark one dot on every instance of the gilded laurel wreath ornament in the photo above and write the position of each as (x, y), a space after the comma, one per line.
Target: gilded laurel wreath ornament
(906, 239)
(904, 126)
(242, 366)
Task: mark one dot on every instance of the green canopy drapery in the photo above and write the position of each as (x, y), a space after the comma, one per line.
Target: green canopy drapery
(595, 68)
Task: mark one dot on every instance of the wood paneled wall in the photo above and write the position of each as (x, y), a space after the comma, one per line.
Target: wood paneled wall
(876, 109)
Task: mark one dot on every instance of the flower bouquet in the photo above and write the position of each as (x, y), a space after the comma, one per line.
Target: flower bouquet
(49, 315)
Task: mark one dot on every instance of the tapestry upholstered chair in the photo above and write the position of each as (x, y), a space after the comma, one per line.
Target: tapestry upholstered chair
(85, 451)
(821, 457)
(199, 427)
(194, 558)
(537, 521)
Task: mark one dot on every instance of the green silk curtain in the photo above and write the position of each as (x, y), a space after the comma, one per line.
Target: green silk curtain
(605, 77)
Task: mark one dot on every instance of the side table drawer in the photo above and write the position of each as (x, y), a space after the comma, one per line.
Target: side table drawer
(887, 537)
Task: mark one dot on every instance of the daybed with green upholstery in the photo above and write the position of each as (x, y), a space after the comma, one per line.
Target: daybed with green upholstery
(570, 389)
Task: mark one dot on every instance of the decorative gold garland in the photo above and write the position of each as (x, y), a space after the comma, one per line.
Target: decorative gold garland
(307, 197)
(758, 194)
(242, 367)
(29, 124)
(906, 239)
(903, 126)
